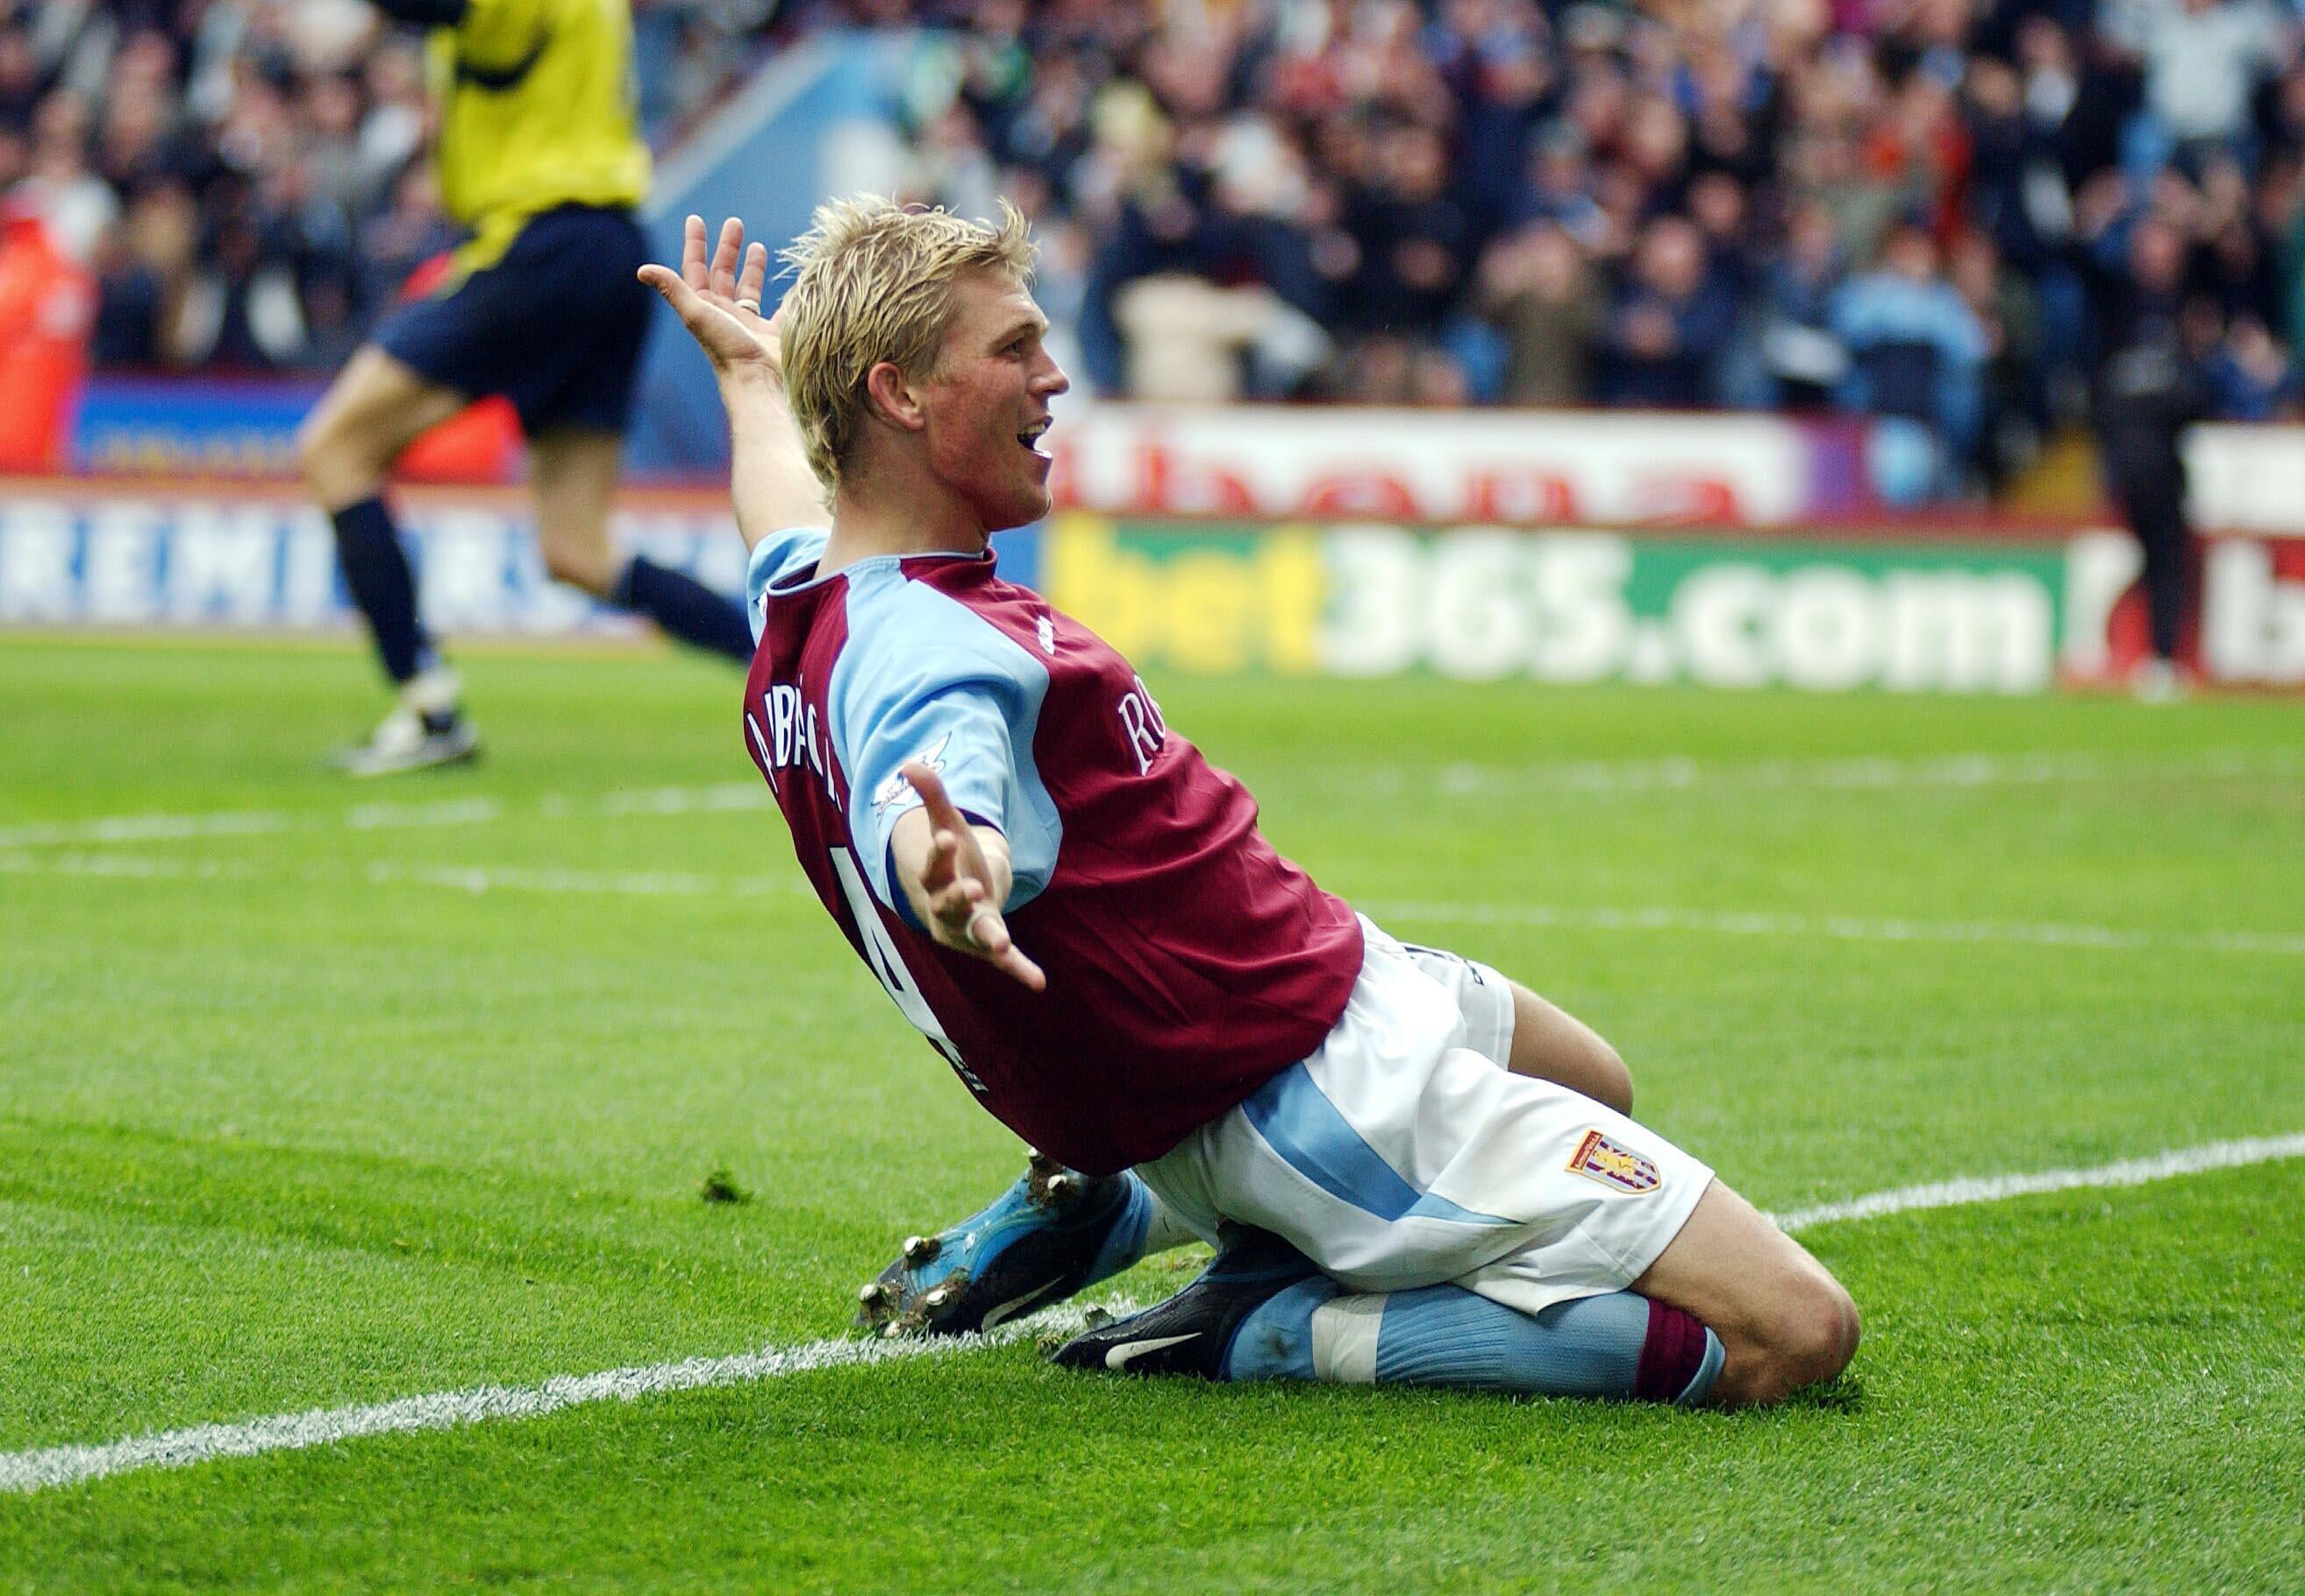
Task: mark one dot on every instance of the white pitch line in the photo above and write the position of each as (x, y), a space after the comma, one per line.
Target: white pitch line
(1864, 773)
(53, 1466)
(397, 816)
(476, 880)
(1599, 776)
(126, 867)
(482, 878)
(147, 828)
(24, 1471)
(1842, 926)
(1996, 1188)
(719, 797)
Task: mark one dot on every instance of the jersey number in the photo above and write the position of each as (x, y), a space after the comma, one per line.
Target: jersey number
(888, 964)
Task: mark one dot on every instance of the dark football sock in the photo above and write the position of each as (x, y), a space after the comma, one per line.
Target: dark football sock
(1617, 1345)
(684, 608)
(376, 570)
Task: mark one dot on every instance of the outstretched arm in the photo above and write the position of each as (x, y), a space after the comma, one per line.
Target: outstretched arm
(719, 304)
(957, 877)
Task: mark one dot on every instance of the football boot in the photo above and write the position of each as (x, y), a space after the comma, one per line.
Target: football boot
(1051, 1233)
(409, 739)
(1193, 1332)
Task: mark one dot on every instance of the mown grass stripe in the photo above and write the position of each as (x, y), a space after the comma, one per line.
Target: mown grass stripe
(45, 1469)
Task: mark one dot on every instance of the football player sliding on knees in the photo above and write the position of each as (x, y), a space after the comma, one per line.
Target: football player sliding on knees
(1414, 1169)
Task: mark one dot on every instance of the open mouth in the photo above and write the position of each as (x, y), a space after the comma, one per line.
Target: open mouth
(1031, 436)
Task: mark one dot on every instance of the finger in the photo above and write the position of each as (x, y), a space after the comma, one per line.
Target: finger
(986, 930)
(989, 934)
(696, 312)
(933, 797)
(725, 258)
(957, 903)
(755, 275)
(1014, 962)
(677, 292)
(692, 255)
(943, 860)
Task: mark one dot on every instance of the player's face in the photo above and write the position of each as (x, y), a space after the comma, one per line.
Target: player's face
(988, 402)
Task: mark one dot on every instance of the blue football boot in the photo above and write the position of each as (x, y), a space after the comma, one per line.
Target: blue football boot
(1193, 1332)
(1053, 1233)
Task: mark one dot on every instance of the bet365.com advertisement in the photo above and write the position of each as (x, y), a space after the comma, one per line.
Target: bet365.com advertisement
(1827, 612)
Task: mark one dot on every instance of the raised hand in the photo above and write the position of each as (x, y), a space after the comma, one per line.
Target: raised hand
(719, 303)
(964, 910)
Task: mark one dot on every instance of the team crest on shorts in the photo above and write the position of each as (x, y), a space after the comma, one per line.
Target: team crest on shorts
(1620, 1168)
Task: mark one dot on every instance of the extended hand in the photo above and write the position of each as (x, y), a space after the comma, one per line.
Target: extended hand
(720, 304)
(964, 910)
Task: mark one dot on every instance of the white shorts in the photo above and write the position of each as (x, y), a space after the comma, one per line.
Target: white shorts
(1404, 1154)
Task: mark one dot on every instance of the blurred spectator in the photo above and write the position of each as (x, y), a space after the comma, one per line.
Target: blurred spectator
(1415, 239)
(19, 77)
(1803, 360)
(1670, 325)
(2253, 378)
(77, 204)
(2014, 406)
(1537, 290)
(131, 305)
(1191, 340)
(45, 305)
(240, 309)
(410, 230)
(1917, 349)
(2203, 60)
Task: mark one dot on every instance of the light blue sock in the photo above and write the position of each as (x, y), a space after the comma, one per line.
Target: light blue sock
(1142, 1226)
(1124, 1243)
(1615, 1346)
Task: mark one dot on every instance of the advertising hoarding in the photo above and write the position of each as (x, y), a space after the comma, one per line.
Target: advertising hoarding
(1513, 467)
(124, 555)
(1823, 609)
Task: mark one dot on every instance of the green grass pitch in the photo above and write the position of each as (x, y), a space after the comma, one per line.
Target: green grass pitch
(314, 1095)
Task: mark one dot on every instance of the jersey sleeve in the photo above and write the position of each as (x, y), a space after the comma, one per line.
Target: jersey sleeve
(502, 34)
(777, 556)
(926, 680)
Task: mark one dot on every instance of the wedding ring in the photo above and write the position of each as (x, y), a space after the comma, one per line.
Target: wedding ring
(749, 304)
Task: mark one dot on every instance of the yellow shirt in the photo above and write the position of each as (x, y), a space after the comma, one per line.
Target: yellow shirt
(536, 111)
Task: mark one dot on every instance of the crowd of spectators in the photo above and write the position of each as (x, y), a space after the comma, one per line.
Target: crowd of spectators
(1916, 209)
(1911, 209)
(246, 178)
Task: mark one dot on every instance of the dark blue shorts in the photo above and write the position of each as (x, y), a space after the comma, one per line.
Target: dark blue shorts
(555, 325)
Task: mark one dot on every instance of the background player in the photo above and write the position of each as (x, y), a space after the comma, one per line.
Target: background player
(1400, 1184)
(539, 159)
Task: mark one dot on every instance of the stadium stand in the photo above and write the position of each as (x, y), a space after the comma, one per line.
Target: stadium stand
(1920, 210)
(244, 177)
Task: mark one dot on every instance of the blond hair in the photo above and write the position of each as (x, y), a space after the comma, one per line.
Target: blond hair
(874, 282)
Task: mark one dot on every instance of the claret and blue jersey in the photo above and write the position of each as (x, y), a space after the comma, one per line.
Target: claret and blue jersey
(1188, 962)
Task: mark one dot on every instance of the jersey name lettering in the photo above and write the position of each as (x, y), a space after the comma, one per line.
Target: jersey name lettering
(785, 733)
(1141, 722)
